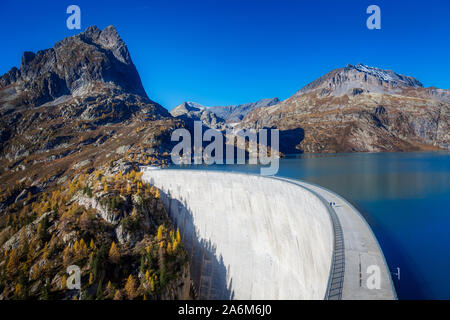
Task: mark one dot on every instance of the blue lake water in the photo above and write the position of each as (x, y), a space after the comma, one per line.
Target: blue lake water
(405, 197)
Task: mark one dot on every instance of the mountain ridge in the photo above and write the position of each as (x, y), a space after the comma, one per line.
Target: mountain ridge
(219, 117)
(360, 109)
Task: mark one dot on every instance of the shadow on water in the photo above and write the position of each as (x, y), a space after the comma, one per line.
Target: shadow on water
(208, 271)
(289, 139)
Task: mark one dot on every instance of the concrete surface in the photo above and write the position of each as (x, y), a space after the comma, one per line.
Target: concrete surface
(361, 249)
(254, 237)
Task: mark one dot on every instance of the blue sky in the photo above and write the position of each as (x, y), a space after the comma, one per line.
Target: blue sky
(220, 52)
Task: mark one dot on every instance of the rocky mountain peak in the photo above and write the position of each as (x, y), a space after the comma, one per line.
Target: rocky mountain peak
(361, 78)
(186, 107)
(386, 75)
(108, 39)
(92, 59)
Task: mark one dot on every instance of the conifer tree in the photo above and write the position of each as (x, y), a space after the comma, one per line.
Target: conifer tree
(92, 244)
(64, 282)
(159, 234)
(118, 295)
(109, 287)
(114, 254)
(18, 292)
(130, 287)
(13, 262)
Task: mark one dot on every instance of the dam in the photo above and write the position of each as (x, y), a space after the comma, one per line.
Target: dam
(258, 237)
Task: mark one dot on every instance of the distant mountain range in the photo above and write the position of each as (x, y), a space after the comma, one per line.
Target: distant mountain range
(353, 109)
(219, 117)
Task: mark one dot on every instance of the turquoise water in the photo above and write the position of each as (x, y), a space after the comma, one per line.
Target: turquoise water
(405, 198)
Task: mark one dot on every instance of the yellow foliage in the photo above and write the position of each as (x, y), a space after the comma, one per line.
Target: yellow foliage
(159, 234)
(66, 255)
(45, 255)
(75, 246)
(18, 291)
(174, 245)
(13, 262)
(118, 295)
(114, 254)
(130, 287)
(63, 282)
(109, 287)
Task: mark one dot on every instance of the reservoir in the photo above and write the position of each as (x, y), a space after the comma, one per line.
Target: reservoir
(405, 197)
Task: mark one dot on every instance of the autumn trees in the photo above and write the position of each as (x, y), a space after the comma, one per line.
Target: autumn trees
(58, 228)
(114, 254)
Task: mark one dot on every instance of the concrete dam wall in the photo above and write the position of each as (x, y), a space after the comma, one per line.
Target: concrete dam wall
(255, 237)
(249, 237)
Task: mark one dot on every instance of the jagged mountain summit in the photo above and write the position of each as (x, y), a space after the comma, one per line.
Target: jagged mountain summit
(77, 101)
(360, 109)
(75, 65)
(219, 117)
(85, 69)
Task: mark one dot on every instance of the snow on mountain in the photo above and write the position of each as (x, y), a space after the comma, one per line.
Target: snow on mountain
(361, 77)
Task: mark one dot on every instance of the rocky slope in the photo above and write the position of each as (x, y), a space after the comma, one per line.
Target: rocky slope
(81, 100)
(360, 109)
(75, 126)
(219, 117)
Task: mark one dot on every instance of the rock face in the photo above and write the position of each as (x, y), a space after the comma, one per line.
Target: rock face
(73, 64)
(219, 117)
(91, 71)
(83, 94)
(362, 78)
(359, 109)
